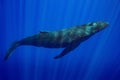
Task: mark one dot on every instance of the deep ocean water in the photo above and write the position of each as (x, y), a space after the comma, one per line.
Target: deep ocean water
(98, 58)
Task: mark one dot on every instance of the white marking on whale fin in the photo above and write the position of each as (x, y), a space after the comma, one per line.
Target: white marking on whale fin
(71, 47)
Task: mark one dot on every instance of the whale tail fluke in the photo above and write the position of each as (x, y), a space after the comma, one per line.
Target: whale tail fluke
(11, 49)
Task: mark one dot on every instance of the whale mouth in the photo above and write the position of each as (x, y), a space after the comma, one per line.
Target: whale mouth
(107, 23)
(104, 24)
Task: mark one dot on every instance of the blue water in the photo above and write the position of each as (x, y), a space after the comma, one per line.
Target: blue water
(98, 58)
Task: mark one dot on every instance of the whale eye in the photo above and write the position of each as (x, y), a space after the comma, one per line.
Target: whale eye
(92, 24)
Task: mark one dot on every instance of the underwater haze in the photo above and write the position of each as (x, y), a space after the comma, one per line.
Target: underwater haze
(97, 58)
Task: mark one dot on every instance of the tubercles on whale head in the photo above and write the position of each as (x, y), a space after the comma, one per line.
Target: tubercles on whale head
(101, 25)
(94, 27)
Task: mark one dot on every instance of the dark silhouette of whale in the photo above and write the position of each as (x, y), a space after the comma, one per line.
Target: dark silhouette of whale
(68, 38)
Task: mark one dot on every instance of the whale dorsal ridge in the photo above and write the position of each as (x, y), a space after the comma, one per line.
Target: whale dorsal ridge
(43, 32)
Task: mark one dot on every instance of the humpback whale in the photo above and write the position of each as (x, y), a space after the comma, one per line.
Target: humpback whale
(68, 38)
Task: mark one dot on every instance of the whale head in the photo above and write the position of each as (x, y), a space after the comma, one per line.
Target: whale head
(94, 27)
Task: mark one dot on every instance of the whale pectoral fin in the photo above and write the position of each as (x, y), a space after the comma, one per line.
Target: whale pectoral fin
(67, 50)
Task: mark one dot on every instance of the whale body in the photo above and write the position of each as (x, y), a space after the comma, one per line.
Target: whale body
(68, 38)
